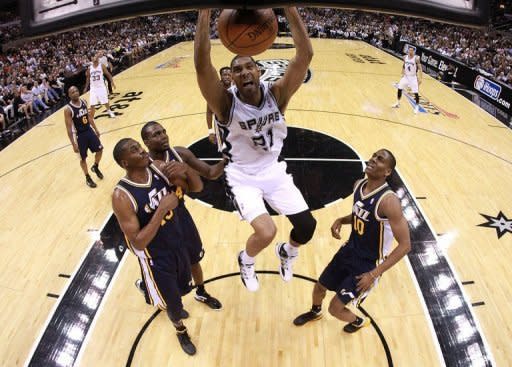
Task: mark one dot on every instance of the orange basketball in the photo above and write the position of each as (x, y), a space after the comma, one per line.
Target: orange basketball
(247, 32)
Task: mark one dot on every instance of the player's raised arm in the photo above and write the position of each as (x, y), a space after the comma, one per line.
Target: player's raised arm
(207, 77)
(284, 88)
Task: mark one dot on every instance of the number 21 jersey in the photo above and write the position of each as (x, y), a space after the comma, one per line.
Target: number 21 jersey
(253, 135)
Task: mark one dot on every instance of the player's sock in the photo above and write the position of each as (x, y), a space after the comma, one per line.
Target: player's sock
(246, 259)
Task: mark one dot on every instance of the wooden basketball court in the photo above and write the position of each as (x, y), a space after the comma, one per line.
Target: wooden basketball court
(457, 163)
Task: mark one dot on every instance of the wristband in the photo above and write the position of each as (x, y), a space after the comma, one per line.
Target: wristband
(211, 131)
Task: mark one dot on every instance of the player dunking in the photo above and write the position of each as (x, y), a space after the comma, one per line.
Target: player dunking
(148, 207)
(83, 133)
(251, 121)
(213, 134)
(411, 76)
(94, 76)
(157, 141)
(376, 217)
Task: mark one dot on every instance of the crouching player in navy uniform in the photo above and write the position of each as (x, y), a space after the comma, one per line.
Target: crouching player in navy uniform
(376, 217)
(148, 204)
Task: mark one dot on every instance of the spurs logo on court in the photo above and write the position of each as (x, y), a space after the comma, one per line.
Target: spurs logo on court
(172, 63)
(273, 70)
(362, 57)
(360, 212)
(154, 199)
(501, 223)
(426, 106)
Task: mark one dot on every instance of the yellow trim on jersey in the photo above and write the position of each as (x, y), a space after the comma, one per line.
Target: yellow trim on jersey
(364, 197)
(381, 239)
(156, 286)
(130, 247)
(147, 184)
(130, 196)
(146, 252)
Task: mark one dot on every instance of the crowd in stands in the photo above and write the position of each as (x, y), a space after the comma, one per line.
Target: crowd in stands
(32, 73)
(484, 50)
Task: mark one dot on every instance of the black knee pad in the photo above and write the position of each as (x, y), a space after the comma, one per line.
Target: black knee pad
(399, 94)
(304, 225)
(417, 98)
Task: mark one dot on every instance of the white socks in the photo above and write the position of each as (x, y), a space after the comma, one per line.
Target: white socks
(246, 259)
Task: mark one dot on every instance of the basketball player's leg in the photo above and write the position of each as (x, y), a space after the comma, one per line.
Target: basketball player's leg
(328, 280)
(347, 292)
(248, 200)
(413, 84)
(83, 145)
(167, 279)
(96, 147)
(102, 96)
(282, 194)
(401, 85)
(196, 254)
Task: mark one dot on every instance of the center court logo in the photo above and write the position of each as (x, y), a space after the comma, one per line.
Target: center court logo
(273, 70)
(487, 87)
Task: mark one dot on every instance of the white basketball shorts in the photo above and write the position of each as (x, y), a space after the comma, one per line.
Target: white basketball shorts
(98, 96)
(272, 184)
(409, 80)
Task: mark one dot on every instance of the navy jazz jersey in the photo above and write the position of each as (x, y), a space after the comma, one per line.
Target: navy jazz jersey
(145, 199)
(80, 117)
(371, 235)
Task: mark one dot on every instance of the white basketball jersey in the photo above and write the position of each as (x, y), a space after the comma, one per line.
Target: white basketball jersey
(96, 76)
(410, 65)
(253, 135)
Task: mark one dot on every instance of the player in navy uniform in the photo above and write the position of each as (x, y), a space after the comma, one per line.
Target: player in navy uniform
(250, 116)
(148, 206)
(376, 217)
(83, 133)
(157, 141)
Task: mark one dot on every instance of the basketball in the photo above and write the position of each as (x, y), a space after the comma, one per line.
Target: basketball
(247, 32)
